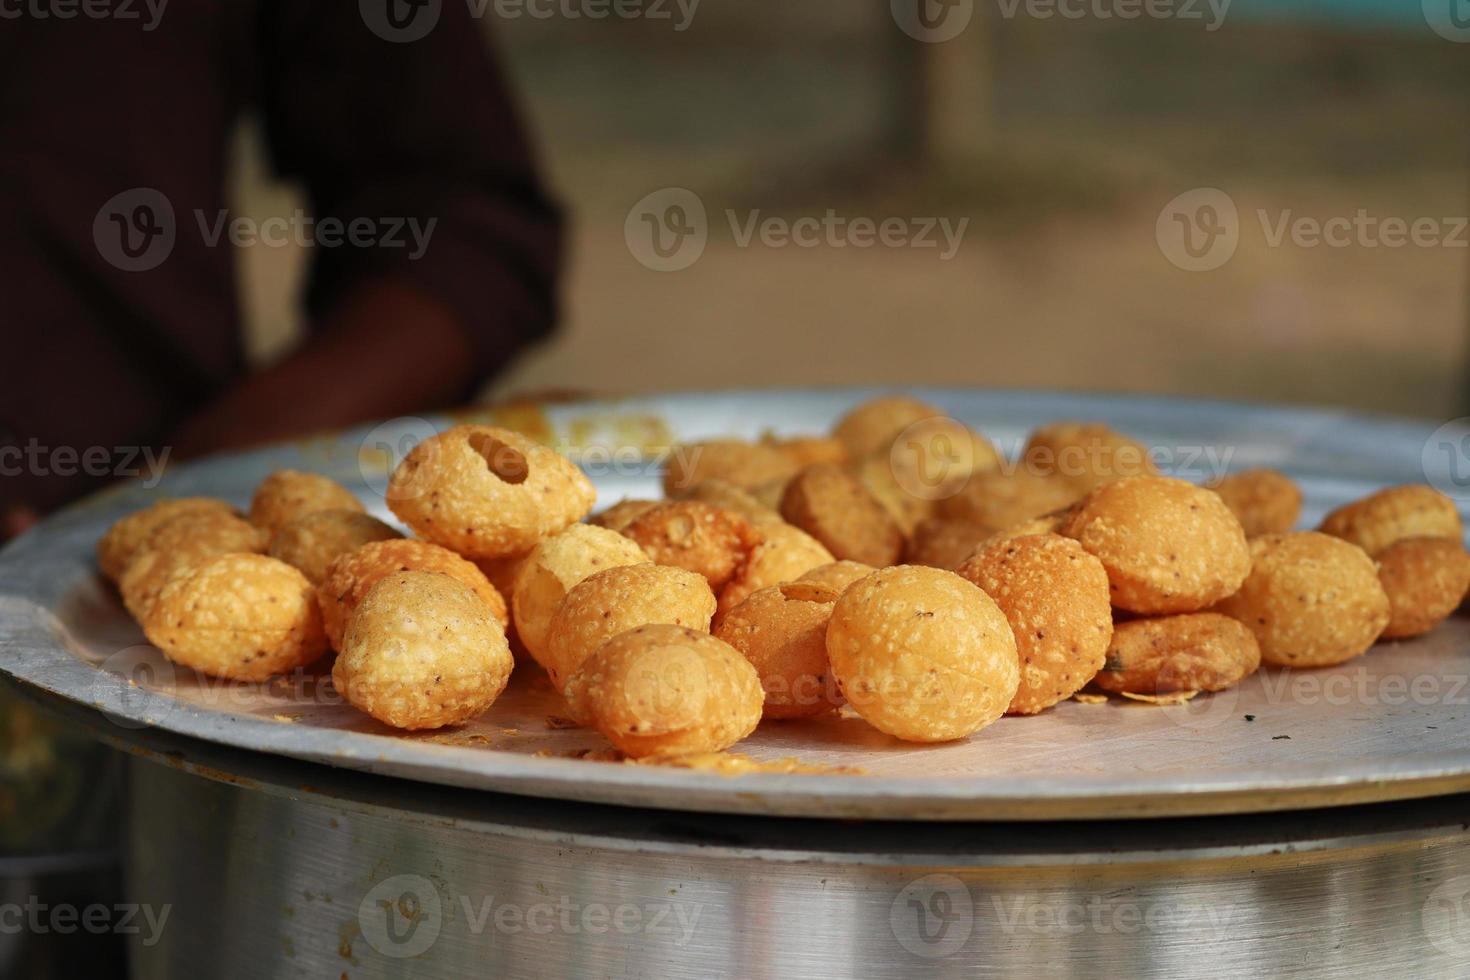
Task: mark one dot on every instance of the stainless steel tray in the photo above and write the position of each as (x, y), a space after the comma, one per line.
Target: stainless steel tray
(1391, 725)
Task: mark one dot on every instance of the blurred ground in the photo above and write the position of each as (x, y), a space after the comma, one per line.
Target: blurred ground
(1060, 280)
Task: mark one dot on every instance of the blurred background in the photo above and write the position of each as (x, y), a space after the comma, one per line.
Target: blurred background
(1061, 139)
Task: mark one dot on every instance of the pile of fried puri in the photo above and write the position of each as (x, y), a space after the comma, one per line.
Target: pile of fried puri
(899, 566)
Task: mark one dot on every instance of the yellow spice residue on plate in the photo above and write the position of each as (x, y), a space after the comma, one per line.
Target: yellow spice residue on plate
(1178, 697)
(739, 764)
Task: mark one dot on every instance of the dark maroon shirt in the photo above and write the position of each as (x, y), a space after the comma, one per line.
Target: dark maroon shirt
(102, 350)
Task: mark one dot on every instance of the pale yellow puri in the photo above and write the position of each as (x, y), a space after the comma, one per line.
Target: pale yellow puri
(178, 544)
(349, 578)
(288, 494)
(782, 631)
(1425, 579)
(313, 541)
(1188, 652)
(785, 555)
(1380, 519)
(1264, 501)
(1312, 600)
(422, 650)
(922, 654)
(128, 534)
(616, 600)
(1055, 596)
(666, 690)
(487, 492)
(554, 567)
(1169, 546)
(238, 616)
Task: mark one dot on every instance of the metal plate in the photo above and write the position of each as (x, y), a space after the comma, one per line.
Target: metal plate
(1388, 726)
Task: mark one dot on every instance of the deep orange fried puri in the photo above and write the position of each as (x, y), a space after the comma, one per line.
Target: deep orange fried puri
(831, 505)
(487, 492)
(1003, 499)
(621, 514)
(554, 567)
(782, 631)
(1312, 600)
(745, 464)
(838, 575)
(350, 576)
(872, 426)
(128, 534)
(1055, 596)
(1085, 454)
(314, 540)
(1189, 652)
(422, 650)
(1380, 519)
(179, 543)
(1169, 546)
(922, 654)
(1425, 579)
(785, 554)
(1264, 501)
(286, 495)
(238, 616)
(616, 600)
(660, 690)
(711, 541)
(944, 543)
(722, 493)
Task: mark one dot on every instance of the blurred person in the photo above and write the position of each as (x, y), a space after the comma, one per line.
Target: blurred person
(114, 131)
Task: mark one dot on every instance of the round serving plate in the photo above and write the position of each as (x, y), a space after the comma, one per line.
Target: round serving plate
(1390, 725)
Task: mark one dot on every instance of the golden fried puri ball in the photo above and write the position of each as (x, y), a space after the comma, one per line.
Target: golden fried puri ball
(127, 535)
(350, 576)
(934, 458)
(1312, 600)
(177, 545)
(745, 464)
(667, 690)
(288, 494)
(1002, 499)
(313, 541)
(1264, 501)
(1169, 546)
(1425, 579)
(621, 514)
(1380, 519)
(687, 534)
(872, 426)
(1046, 524)
(943, 543)
(804, 451)
(238, 616)
(422, 650)
(838, 575)
(769, 494)
(487, 492)
(922, 654)
(1085, 454)
(616, 600)
(785, 555)
(723, 493)
(556, 565)
(884, 482)
(830, 504)
(782, 631)
(1188, 652)
(1055, 596)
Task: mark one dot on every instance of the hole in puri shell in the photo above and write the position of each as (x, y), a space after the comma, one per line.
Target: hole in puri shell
(505, 461)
